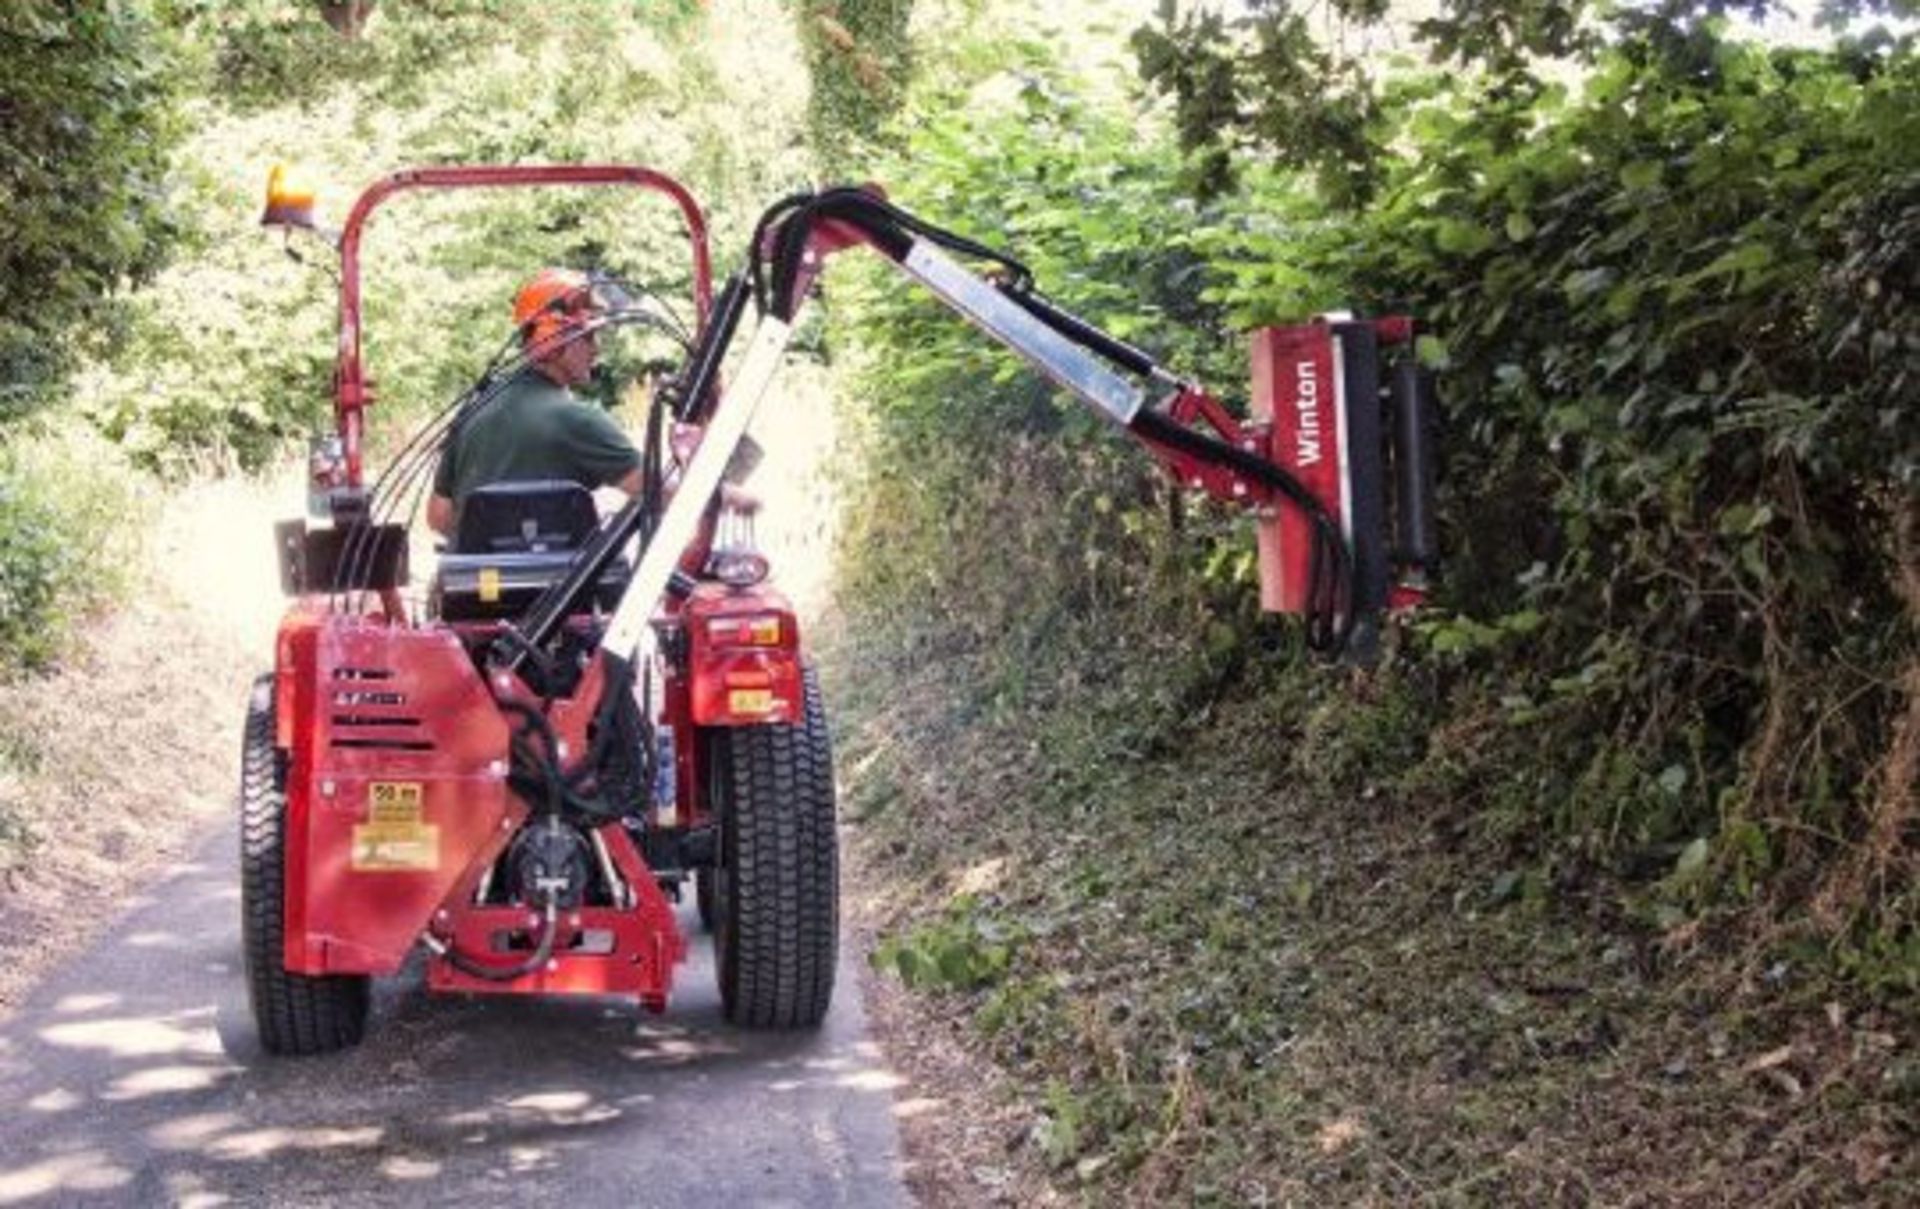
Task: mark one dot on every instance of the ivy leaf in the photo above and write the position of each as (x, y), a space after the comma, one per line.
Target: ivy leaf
(1585, 283)
(1742, 258)
(1640, 175)
(1458, 238)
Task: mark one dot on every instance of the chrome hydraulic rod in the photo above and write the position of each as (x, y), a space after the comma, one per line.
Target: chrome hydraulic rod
(1067, 364)
(680, 522)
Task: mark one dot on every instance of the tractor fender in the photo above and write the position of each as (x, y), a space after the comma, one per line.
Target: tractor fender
(743, 657)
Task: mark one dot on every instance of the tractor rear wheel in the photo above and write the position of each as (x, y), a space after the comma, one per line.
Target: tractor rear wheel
(294, 1013)
(777, 889)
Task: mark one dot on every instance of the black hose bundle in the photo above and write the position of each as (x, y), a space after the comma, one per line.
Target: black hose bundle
(541, 954)
(614, 774)
(400, 487)
(889, 228)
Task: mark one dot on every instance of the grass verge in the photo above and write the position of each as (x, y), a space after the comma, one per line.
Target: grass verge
(1217, 970)
(114, 756)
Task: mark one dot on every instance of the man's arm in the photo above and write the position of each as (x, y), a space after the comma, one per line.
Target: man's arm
(440, 503)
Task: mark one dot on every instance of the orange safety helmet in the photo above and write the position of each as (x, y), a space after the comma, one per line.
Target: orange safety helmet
(553, 301)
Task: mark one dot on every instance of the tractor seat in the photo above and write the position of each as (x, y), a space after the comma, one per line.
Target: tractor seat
(513, 542)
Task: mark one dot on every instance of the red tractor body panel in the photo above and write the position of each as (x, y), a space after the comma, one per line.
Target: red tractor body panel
(398, 805)
(1296, 389)
(396, 785)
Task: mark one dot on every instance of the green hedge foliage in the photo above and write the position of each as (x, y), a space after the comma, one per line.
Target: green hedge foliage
(88, 113)
(1670, 306)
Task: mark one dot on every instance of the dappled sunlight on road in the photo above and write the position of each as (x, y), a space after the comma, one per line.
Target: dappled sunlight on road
(137, 1036)
(74, 1171)
(137, 1080)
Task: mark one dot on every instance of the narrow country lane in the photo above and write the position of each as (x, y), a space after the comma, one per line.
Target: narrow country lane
(132, 1076)
(129, 1071)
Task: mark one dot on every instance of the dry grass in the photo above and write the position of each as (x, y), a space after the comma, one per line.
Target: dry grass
(117, 761)
(1269, 997)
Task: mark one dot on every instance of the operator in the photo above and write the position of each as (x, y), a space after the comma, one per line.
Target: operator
(535, 428)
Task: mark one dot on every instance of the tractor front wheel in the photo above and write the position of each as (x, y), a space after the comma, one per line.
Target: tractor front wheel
(294, 1013)
(777, 889)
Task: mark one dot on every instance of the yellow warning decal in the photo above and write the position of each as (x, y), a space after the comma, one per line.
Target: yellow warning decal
(750, 701)
(490, 584)
(396, 834)
(379, 847)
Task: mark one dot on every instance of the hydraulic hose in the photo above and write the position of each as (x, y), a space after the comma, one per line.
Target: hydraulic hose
(1329, 565)
(542, 951)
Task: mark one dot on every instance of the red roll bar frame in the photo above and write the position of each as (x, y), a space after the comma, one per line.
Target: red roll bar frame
(351, 390)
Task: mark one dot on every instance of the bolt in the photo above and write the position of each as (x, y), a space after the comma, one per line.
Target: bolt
(574, 919)
(553, 963)
(533, 919)
(1239, 489)
(326, 789)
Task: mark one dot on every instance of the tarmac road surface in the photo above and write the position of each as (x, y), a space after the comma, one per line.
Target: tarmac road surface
(131, 1076)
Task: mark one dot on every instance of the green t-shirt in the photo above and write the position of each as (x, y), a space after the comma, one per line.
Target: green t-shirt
(533, 429)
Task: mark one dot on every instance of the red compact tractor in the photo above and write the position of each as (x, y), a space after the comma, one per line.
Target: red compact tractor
(588, 713)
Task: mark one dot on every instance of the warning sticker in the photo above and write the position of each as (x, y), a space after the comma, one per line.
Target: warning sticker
(394, 802)
(395, 835)
(382, 846)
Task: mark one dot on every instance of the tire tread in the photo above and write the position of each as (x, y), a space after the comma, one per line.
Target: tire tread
(295, 1014)
(779, 927)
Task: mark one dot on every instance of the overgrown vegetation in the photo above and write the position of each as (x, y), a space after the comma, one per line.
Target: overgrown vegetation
(66, 531)
(1656, 741)
(86, 123)
(859, 58)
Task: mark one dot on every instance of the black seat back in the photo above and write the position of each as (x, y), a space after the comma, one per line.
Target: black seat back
(516, 540)
(525, 518)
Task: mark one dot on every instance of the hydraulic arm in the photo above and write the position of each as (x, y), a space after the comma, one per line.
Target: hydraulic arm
(1313, 463)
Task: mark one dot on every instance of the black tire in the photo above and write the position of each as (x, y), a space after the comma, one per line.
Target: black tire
(295, 1014)
(777, 890)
